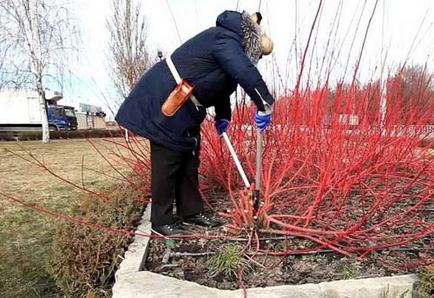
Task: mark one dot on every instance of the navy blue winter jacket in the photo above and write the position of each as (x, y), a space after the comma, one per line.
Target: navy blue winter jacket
(213, 62)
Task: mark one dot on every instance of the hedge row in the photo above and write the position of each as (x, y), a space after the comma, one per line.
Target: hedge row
(84, 259)
(72, 134)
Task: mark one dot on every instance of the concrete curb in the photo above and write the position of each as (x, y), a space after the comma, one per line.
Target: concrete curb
(135, 256)
(131, 282)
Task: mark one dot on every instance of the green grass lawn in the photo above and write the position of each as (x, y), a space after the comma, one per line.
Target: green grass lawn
(26, 235)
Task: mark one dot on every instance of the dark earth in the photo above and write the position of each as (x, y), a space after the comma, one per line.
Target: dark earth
(188, 258)
(192, 263)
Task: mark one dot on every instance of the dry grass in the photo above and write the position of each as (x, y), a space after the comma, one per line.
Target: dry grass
(25, 235)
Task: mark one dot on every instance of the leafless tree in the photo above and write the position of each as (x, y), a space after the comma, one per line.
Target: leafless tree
(13, 75)
(39, 37)
(129, 54)
(414, 86)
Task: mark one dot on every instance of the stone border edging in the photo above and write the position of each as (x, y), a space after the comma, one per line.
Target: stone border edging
(135, 256)
(131, 282)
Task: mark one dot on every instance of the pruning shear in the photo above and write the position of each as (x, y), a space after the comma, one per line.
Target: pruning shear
(256, 192)
(256, 195)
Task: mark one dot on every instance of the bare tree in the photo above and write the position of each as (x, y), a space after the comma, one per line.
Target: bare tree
(4, 69)
(128, 52)
(416, 90)
(13, 74)
(39, 35)
(3, 76)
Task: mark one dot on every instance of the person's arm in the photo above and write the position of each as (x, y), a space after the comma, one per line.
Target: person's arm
(223, 108)
(223, 113)
(231, 57)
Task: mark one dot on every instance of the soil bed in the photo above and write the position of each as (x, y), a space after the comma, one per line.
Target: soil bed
(189, 259)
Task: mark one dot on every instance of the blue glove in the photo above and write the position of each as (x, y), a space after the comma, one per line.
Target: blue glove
(262, 120)
(221, 125)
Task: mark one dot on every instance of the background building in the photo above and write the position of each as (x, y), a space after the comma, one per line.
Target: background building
(90, 117)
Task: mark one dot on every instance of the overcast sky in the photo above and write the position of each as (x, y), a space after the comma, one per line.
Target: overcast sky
(401, 30)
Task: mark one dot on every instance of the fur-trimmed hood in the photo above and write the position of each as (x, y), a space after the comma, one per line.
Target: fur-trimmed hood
(248, 30)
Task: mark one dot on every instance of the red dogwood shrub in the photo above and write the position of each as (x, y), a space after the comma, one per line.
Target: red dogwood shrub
(332, 172)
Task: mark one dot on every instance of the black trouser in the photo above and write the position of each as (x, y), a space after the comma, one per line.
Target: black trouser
(174, 176)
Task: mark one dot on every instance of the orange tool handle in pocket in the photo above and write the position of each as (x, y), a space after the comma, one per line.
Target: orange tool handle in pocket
(176, 98)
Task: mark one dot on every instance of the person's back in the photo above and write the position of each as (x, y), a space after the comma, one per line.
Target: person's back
(196, 64)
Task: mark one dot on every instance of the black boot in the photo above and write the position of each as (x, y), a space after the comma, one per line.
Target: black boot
(203, 220)
(168, 230)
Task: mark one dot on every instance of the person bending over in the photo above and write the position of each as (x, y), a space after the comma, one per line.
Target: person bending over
(168, 105)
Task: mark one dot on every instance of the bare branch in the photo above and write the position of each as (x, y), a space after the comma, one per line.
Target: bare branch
(129, 54)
